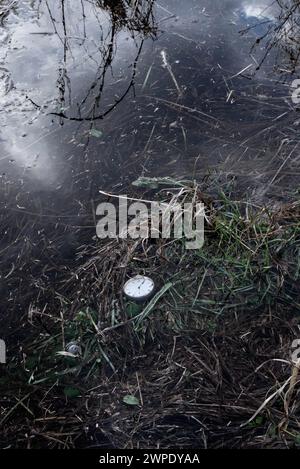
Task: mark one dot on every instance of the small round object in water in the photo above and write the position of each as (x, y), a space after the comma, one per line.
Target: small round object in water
(139, 288)
(73, 348)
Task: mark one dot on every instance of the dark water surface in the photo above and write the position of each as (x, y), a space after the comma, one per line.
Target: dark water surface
(91, 100)
(68, 57)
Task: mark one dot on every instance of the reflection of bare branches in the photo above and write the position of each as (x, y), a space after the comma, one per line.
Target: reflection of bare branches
(288, 31)
(114, 105)
(63, 80)
(283, 35)
(134, 16)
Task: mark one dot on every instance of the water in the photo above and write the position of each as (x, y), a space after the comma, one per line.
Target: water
(54, 62)
(91, 101)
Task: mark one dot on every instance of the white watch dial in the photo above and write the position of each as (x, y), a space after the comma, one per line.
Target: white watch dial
(139, 287)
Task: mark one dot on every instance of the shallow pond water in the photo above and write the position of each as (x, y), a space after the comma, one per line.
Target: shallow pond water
(197, 103)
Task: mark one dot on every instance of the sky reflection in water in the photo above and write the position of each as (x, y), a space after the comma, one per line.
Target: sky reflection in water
(225, 121)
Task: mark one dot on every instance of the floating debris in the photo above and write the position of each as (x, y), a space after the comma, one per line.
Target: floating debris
(131, 400)
(74, 349)
(96, 133)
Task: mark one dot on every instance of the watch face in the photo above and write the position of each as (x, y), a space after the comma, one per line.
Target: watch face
(139, 287)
